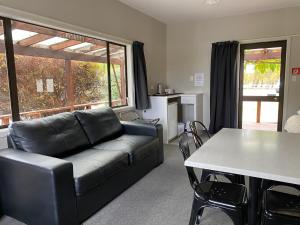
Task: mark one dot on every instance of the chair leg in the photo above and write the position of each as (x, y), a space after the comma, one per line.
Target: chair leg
(201, 212)
(195, 212)
(198, 220)
(262, 222)
(245, 213)
(239, 220)
(242, 179)
(237, 216)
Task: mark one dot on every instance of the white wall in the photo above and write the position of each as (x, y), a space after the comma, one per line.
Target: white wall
(177, 51)
(189, 48)
(109, 17)
(293, 103)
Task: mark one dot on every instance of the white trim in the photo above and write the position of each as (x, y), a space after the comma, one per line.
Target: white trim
(59, 25)
(130, 81)
(279, 38)
(287, 80)
(123, 109)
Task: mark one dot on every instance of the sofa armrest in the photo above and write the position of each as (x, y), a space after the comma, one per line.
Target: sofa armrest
(134, 128)
(37, 189)
(139, 128)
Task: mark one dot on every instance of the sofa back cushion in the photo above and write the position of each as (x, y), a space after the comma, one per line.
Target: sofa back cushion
(51, 136)
(99, 124)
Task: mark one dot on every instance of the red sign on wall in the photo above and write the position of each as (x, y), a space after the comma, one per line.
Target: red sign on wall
(296, 71)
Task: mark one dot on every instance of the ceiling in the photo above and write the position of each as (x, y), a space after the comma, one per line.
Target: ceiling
(172, 11)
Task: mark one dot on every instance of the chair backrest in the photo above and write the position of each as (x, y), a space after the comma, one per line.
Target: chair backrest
(185, 150)
(195, 126)
(269, 184)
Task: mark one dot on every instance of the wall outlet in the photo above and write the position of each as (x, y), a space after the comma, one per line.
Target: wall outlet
(294, 78)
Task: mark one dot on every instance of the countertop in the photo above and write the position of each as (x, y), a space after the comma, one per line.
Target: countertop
(176, 95)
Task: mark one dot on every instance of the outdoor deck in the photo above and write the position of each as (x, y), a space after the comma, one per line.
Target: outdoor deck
(6, 119)
(260, 126)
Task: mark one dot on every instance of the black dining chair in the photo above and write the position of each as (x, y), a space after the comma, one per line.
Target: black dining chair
(230, 198)
(195, 127)
(279, 208)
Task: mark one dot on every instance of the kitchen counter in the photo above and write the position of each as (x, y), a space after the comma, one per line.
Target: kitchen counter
(176, 95)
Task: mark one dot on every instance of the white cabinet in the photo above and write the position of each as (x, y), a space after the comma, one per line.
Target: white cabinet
(191, 107)
(172, 120)
(159, 109)
(189, 100)
(166, 108)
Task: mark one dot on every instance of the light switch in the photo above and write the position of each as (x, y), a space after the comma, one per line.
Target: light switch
(294, 78)
(191, 78)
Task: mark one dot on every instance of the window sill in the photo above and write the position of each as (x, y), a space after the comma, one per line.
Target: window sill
(123, 109)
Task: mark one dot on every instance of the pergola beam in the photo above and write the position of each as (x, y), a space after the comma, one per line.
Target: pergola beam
(95, 48)
(34, 39)
(55, 33)
(70, 84)
(262, 55)
(48, 53)
(65, 44)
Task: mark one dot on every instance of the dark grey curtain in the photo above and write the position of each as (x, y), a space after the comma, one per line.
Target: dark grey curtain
(223, 86)
(140, 76)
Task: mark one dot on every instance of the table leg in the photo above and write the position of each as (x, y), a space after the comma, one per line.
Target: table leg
(254, 201)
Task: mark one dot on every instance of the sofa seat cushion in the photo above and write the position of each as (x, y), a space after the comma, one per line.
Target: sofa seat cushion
(51, 136)
(93, 167)
(137, 146)
(99, 124)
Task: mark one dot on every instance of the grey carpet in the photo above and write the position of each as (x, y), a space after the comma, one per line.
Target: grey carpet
(162, 197)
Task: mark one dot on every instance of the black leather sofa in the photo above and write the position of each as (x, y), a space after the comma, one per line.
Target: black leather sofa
(61, 169)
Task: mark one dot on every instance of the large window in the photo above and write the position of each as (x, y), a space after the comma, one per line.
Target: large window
(57, 71)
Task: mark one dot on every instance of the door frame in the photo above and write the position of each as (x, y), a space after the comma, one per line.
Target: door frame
(268, 44)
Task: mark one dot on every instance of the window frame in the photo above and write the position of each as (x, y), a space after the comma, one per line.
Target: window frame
(126, 72)
(11, 67)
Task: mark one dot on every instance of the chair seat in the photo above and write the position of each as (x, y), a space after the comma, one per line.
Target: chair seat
(233, 178)
(137, 146)
(221, 193)
(280, 203)
(93, 167)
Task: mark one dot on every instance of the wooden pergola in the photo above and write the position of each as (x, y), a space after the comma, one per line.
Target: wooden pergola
(263, 54)
(88, 50)
(266, 55)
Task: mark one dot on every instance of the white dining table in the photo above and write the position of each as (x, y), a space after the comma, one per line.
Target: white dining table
(257, 154)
